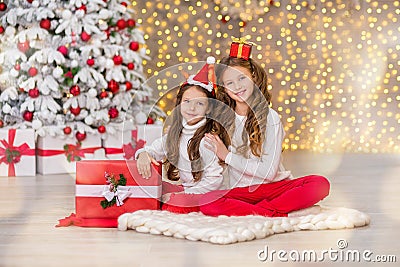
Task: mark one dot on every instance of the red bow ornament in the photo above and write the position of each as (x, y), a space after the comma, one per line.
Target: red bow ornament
(10, 154)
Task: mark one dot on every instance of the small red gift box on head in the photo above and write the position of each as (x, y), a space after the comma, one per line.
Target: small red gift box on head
(240, 50)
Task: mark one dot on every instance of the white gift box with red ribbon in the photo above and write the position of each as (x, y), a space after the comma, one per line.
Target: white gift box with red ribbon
(17, 152)
(149, 132)
(125, 144)
(56, 155)
(117, 146)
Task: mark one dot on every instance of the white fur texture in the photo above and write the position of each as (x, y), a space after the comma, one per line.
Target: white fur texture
(226, 230)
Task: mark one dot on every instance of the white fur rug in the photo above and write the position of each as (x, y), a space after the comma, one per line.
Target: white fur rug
(226, 230)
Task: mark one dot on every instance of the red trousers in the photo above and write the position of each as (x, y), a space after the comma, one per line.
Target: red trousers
(272, 200)
(179, 201)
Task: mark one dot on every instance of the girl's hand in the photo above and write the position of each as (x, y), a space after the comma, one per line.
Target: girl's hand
(143, 164)
(214, 143)
(166, 197)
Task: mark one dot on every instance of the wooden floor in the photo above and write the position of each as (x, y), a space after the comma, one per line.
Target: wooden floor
(31, 206)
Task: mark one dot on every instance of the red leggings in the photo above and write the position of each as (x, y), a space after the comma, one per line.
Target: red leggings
(272, 200)
(180, 203)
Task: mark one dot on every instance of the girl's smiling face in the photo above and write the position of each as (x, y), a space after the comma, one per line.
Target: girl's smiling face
(238, 83)
(194, 105)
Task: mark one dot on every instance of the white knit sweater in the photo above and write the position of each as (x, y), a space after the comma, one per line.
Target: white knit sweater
(212, 172)
(254, 170)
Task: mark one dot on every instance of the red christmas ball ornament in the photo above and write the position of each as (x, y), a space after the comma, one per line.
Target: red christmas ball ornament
(131, 23)
(29, 1)
(101, 129)
(82, 7)
(33, 93)
(32, 71)
(28, 115)
(124, 4)
(103, 94)
(17, 67)
(131, 66)
(134, 46)
(113, 113)
(45, 24)
(3, 6)
(1, 30)
(85, 36)
(67, 130)
(90, 61)
(121, 24)
(21, 90)
(80, 136)
(128, 85)
(63, 50)
(1, 124)
(117, 60)
(23, 46)
(75, 90)
(150, 120)
(113, 86)
(75, 111)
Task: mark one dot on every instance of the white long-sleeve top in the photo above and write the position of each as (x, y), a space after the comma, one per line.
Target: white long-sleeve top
(211, 178)
(254, 170)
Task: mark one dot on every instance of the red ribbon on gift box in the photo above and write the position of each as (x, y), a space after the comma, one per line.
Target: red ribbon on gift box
(71, 151)
(10, 154)
(128, 149)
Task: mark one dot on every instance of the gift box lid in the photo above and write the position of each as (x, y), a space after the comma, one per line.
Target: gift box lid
(93, 172)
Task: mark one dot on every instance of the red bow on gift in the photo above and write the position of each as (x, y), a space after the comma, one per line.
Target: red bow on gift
(72, 152)
(10, 154)
(130, 151)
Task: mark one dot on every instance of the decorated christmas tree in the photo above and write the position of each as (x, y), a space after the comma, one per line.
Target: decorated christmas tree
(72, 67)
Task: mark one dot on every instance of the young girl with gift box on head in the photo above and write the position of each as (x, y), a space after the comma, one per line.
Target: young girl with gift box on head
(182, 148)
(259, 185)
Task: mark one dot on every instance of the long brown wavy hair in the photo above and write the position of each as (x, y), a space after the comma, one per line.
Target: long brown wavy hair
(258, 104)
(175, 131)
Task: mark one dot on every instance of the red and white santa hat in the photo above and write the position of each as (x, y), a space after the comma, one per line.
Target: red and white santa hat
(205, 77)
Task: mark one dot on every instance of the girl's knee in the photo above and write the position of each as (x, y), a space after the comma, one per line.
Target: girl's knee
(323, 184)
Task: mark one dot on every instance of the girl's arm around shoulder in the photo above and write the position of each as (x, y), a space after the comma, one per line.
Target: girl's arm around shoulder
(266, 166)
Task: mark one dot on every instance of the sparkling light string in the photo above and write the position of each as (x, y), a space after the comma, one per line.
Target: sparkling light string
(333, 66)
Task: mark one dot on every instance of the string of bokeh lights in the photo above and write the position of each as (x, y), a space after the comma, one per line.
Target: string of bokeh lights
(333, 66)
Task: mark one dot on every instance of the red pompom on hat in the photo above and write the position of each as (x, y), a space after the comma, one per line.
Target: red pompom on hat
(205, 77)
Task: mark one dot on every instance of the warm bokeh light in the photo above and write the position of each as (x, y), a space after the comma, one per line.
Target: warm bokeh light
(333, 65)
